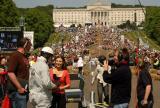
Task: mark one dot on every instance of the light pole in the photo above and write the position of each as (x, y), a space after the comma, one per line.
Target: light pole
(99, 37)
(21, 21)
(21, 24)
(62, 40)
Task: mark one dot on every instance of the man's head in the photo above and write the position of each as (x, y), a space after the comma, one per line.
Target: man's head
(123, 56)
(25, 43)
(47, 52)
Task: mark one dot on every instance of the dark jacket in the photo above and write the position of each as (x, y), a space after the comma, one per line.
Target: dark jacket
(121, 84)
(144, 79)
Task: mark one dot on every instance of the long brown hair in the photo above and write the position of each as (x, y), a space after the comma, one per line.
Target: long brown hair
(63, 60)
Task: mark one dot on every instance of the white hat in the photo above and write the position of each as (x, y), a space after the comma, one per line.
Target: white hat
(48, 50)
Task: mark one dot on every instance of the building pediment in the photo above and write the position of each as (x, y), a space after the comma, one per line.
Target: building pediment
(98, 7)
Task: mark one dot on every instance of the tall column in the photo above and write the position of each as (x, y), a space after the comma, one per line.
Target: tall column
(96, 15)
(100, 19)
(93, 20)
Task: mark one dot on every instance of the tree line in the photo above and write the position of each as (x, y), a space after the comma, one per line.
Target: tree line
(152, 23)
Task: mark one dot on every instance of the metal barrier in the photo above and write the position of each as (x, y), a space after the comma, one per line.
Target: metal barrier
(75, 95)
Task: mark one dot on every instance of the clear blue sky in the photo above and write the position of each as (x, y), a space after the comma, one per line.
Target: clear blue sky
(77, 3)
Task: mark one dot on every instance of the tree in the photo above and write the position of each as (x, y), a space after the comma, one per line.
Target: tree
(73, 25)
(114, 5)
(152, 23)
(79, 25)
(9, 15)
(42, 25)
(128, 25)
(141, 24)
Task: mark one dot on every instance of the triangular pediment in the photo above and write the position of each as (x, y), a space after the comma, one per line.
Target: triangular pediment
(99, 5)
(98, 8)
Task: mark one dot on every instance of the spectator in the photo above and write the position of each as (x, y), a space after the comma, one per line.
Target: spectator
(60, 75)
(102, 87)
(32, 59)
(18, 72)
(144, 87)
(3, 62)
(120, 79)
(156, 63)
(3, 79)
(80, 65)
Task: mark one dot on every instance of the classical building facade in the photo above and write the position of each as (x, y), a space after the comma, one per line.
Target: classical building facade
(99, 12)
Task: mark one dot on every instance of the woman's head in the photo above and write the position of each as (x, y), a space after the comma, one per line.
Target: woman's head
(3, 61)
(59, 62)
(141, 64)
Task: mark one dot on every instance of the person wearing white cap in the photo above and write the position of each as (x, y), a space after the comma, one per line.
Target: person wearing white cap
(80, 65)
(40, 84)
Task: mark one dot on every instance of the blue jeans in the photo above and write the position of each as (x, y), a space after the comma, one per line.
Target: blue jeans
(123, 105)
(18, 100)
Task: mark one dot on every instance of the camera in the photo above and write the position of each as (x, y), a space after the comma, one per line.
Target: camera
(55, 77)
(111, 61)
(56, 82)
(112, 64)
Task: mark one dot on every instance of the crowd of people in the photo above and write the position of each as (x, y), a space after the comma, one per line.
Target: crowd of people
(42, 79)
(110, 38)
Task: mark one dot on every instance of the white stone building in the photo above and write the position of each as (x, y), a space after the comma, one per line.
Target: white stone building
(99, 12)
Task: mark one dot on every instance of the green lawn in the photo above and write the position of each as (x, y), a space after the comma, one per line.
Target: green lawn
(133, 36)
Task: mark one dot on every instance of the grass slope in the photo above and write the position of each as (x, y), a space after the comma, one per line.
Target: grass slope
(133, 36)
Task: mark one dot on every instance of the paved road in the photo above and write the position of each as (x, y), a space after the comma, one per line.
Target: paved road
(88, 88)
